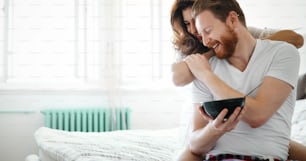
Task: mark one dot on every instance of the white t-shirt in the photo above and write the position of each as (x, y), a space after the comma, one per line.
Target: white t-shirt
(270, 58)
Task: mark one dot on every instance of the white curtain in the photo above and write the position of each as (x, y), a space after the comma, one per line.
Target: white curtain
(134, 44)
(108, 45)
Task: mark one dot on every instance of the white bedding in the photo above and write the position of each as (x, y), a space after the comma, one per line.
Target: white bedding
(298, 130)
(130, 145)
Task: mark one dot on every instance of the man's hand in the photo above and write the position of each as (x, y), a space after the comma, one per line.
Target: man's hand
(223, 125)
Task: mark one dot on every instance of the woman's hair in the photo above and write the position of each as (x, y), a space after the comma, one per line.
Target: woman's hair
(220, 9)
(184, 42)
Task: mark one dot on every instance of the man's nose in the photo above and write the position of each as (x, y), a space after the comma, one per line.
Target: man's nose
(205, 40)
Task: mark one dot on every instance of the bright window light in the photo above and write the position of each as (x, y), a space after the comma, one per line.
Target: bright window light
(81, 43)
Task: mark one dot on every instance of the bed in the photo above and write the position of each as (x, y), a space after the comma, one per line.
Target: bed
(129, 145)
(134, 145)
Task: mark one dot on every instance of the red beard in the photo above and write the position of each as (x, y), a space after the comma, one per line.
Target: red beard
(228, 45)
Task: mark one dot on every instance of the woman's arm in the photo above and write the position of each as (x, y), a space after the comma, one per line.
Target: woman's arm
(181, 75)
(288, 36)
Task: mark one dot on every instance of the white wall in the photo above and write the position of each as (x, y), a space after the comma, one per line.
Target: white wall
(16, 136)
(278, 14)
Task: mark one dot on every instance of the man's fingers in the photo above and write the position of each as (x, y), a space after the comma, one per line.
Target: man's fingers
(221, 115)
(204, 114)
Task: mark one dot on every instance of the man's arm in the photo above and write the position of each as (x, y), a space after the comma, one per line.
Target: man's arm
(296, 151)
(206, 131)
(272, 93)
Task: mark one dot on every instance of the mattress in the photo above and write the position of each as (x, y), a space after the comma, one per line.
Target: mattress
(129, 145)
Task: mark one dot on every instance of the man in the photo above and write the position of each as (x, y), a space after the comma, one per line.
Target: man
(241, 64)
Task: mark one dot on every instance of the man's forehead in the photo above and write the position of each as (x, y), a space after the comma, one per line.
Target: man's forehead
(204, 19)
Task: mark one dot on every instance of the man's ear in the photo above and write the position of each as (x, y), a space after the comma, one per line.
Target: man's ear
(232, 19)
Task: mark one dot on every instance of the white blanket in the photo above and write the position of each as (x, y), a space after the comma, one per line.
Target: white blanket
(130, 145)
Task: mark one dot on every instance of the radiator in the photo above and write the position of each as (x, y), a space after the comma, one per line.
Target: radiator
(88, 119)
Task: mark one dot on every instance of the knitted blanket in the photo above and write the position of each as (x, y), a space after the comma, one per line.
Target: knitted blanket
(128, 145)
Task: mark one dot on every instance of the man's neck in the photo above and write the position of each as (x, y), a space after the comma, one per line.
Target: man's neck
(244, 50)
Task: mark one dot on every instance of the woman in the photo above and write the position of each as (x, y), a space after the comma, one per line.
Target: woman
(186, 42)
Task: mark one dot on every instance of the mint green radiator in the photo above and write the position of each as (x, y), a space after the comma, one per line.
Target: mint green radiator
(88, 119)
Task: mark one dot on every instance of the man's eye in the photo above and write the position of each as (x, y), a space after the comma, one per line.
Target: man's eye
(207, 31)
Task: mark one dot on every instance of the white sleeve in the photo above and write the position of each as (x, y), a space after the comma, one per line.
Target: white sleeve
(261, 33)
(285, 65)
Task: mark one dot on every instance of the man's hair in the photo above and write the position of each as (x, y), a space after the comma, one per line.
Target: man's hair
(220, 9)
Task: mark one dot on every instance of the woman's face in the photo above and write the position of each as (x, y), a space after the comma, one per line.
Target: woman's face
(189, 21)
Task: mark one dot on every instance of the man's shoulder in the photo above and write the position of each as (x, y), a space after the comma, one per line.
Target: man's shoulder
(277, 49)
(276, 46)
(274, 43)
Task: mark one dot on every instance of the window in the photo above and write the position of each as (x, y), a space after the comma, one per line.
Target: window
(82, 43)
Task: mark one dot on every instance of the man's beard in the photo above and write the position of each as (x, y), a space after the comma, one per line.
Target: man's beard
(228, 45)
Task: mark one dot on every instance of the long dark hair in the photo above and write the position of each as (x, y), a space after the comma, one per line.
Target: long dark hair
(183, 41)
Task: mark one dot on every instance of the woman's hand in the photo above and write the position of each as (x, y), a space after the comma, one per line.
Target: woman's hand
(198, 65)
(181, 74)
